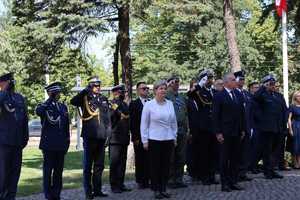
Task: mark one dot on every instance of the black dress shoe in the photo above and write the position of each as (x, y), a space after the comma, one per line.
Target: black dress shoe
(244, 178)
(158, 195)
(225, 188)
(100, 194)
(116, 190)
(166, 195)
(214, 182)
(125, 189)
(180, 185)
(89, 196)
(276, 175)
(268, 176)
(236, 187)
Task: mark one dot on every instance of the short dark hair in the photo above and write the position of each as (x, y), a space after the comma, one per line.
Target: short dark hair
(140, 83)
(252, 83)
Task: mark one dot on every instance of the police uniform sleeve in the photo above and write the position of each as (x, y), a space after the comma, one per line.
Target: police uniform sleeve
(77, 100)
(25, 126)
(3, 96)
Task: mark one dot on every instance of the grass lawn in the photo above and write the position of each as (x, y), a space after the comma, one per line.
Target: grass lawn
(31, 174)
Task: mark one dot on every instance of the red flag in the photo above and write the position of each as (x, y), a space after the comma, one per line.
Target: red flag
(280, 6)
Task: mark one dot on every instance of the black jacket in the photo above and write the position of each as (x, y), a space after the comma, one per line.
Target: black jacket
(203, 98)
(228, 115)
(97, 127)
(55, 126)
(273, 111)
(135, 110)
(120, 123)
(13, 120)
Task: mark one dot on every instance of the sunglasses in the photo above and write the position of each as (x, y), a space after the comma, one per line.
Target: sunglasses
(145, 88)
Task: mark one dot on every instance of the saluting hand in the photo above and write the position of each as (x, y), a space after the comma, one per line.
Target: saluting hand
(220, 138)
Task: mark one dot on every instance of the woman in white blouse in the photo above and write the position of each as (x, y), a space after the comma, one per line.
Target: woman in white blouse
(158, 133)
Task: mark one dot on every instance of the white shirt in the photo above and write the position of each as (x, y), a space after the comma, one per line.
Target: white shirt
(143, 100)
(229, 92)
(158, 121)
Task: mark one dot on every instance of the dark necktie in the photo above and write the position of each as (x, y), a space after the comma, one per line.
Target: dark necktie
(233, 96)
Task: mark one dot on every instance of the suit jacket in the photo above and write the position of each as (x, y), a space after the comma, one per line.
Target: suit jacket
(248, 104)
(135, 112)
(13, 119)
(55, 135)
(273, 111)
(228, 114)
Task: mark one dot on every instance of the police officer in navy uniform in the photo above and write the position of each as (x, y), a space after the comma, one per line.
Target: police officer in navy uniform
(55, 140)
(203, 139)
(96, 126)
(118, 140)
(245, 152)
(13, 136)
(271, 122)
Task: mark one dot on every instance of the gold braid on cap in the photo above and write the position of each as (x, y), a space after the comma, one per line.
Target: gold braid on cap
(89, 110)
(205, 102)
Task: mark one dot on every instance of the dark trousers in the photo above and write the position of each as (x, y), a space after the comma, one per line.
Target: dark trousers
(160, 159)
(117, 158)
(142, 169)
(278, 155)
(256, 150)
(229, 157)
(53, 167)
(93, 159)
(10, 168)
(269, 142)
(245, 155)
(178, 159)
(189, 158)
(204, 156)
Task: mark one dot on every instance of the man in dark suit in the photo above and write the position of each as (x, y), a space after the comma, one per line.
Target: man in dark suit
(55, 140)
(13, 136)
(118, 140)
(271, 122)
(203, 139)
(95, 129)
(244, 160)
(142, 173)
(229, 127)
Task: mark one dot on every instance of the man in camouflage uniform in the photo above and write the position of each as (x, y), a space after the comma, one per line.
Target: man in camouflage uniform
(179, 154)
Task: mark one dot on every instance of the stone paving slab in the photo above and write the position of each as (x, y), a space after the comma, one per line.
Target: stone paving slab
(258, 189)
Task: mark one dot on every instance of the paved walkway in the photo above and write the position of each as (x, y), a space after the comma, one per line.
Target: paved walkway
(258, 189)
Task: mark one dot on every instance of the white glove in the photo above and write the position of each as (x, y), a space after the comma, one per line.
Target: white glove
(203, 81)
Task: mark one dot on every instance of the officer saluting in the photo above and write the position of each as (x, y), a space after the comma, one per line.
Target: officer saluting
(95, 128)
(203, 140)
(55, 140)
(119, 140)
(271, 122)
(13, 136)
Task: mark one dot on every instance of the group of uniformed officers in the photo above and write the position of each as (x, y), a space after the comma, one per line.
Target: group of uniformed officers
(226, 131)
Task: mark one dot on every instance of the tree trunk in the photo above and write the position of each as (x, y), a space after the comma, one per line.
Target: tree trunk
(230, 32)
(116, 62)
(123, 13)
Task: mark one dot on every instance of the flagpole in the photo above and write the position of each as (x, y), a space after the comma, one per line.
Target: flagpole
(285, 58)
